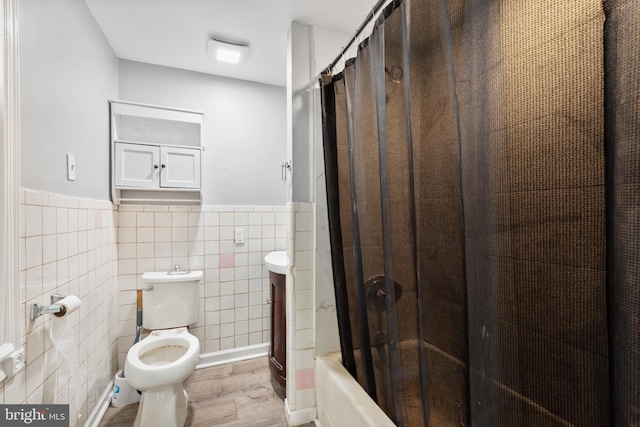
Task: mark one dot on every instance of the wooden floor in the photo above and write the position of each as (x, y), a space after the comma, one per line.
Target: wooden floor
(240, 394)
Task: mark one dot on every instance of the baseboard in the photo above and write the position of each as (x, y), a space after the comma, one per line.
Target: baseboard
(94, 418)
(299, 416)
(232, 355)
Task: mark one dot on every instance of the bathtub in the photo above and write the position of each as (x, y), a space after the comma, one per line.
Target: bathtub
(341, 401)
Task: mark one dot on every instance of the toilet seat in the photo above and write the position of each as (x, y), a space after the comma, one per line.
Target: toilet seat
(164, 357)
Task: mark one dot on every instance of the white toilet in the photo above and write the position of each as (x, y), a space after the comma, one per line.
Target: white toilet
(159, 364)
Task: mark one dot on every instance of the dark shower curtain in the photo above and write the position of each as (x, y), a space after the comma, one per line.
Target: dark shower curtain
(483, 181)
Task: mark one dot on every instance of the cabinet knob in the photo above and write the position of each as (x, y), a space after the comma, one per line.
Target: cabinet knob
(164, 166)
(269, 301)
(155, 166)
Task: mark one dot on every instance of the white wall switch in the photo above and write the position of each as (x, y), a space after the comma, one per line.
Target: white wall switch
(239, 235)
(71, 167)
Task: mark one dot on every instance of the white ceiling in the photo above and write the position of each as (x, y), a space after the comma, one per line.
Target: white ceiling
(174, 33)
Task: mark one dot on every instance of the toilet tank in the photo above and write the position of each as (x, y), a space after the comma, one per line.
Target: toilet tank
(170, 300)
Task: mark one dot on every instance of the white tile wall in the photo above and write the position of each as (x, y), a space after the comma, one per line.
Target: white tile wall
(67, 246)
(233, 311)
(88, 248)
(301, 320)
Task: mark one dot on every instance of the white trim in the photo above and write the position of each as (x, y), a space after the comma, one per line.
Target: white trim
(94, 418)
(297, 417)
(160, 107)
(233, 355)
(11, 322)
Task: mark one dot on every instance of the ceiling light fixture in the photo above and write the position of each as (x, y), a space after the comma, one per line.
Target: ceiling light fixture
(227, 51)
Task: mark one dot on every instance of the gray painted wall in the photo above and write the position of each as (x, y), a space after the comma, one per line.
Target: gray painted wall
(244, 128)
(68, 71)
(68, 74)
(300, 109)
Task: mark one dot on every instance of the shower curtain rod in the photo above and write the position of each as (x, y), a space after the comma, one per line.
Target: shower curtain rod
(374, 11)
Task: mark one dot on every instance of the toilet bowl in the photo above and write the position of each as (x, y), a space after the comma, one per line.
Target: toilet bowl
(158, 366)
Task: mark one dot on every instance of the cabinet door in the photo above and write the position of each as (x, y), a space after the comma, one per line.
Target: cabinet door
(137, 165)
(180, 167)
(278, 344)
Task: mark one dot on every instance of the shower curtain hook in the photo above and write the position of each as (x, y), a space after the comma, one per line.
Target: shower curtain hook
(373, 12)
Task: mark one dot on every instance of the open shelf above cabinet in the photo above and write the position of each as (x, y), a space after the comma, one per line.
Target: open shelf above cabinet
(155, 154)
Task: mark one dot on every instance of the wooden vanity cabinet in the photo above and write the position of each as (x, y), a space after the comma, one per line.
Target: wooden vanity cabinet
(278, 342)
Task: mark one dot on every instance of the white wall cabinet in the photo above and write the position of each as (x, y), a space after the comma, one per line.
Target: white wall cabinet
(137, 165)
(155, 154)
(179, 167)
(155, 167)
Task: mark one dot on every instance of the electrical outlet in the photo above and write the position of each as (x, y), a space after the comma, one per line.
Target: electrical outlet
(239, 235)
(71, 167)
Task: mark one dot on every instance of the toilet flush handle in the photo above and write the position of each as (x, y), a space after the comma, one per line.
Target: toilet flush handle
(148, 288)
